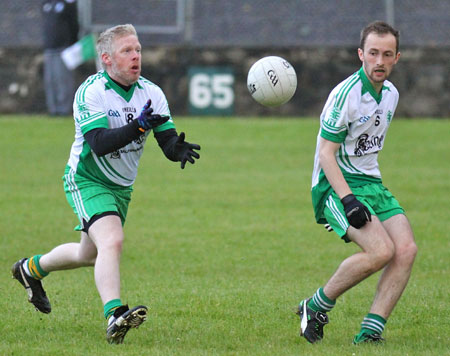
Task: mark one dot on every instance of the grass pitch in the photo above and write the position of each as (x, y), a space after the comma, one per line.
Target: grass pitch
(224, 250)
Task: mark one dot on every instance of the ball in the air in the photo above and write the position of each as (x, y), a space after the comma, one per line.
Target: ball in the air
(272, 81)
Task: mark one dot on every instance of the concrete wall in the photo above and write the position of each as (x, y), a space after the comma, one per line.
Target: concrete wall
(422, 77)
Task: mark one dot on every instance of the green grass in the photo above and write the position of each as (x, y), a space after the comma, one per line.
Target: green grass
(224, 250)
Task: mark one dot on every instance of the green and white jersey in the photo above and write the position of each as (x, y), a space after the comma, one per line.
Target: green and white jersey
(101, 103)
(358, 118)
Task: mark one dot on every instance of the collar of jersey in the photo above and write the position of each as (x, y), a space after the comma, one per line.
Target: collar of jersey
(127, 95)
(367, 87)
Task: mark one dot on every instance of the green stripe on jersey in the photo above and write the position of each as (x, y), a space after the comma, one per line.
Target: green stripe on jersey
(338, 138)
(105, 164)
(343, 92)
(88, 82)
(343, 152)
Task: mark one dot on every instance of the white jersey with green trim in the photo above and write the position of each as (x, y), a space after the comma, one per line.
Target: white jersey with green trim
(101, 103)
(357, 117)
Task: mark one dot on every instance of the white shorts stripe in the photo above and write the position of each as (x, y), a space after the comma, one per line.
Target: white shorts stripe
(336, 213)
(76, 196)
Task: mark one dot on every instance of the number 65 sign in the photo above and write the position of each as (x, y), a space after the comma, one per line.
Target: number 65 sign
(211, 90)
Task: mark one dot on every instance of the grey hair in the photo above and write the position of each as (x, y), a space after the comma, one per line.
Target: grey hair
(107, 37)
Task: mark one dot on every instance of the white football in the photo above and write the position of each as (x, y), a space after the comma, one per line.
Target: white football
(272, 81)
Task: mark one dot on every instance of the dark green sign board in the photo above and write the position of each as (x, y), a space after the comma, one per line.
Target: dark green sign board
(211, 90)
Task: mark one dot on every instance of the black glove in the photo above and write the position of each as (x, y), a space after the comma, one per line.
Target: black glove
(184, 150)
(147, 121)
(357, 213)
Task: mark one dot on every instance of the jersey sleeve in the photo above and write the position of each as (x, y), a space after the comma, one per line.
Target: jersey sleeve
(89, 110)
(334, 120)
(338, 113)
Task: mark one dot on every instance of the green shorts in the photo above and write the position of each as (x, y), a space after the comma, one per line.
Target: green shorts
(89, 198)
(378, 199)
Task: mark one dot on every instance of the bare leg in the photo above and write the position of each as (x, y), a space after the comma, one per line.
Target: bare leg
(102, 247)
(377, 251)
(70, 255)
(396, 274)
(107, 234)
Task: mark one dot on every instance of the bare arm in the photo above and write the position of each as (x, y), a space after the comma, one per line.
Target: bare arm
(327, 159)
(357, 213)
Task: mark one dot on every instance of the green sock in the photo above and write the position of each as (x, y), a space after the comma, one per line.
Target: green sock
(373, 324)
(34, 268)
(110, 307)
(320, 302)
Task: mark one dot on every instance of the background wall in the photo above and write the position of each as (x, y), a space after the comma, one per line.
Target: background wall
(319, 38)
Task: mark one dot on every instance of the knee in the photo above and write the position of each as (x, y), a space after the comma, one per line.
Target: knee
(406, 253)
(113, 244)
(383, 255)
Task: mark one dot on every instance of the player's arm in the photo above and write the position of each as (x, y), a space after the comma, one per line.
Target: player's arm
(176, 148)
(327, 160)
(357, 213)
(103, 141)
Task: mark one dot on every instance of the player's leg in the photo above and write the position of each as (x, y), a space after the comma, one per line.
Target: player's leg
(396, 275)
(394, 278)
(377, 250)
(70, 255)
(107, 234)
(30, 271)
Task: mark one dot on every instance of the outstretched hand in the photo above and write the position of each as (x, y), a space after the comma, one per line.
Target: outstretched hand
(147, 120)
(184, 150)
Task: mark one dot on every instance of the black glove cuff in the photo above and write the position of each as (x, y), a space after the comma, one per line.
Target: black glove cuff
(348, 199)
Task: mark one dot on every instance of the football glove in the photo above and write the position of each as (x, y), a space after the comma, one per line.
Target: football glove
(357, 213)
(184, 151)
(147, 120)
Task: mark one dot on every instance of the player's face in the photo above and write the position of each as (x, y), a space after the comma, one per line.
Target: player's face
(125, 60)
(379, 57)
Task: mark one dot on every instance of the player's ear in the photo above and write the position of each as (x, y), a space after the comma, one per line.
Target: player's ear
(397, 57)
(361, 54)
(106, 58)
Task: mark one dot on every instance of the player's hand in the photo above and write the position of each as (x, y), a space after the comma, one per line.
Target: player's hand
(147, 120)
(184, 150)
(357, 213)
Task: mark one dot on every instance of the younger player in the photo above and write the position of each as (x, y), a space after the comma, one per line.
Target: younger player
(114, 110)
(348, 193)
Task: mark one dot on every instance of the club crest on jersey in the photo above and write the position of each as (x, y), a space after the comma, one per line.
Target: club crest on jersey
(334, 116)
(83, 109)
(389, 116)
(113, 113)
(364, 143)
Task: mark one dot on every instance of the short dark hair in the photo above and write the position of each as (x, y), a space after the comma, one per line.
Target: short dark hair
(379, 27)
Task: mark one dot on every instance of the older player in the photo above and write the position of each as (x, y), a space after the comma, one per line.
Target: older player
(114, 112)
(348, 193)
